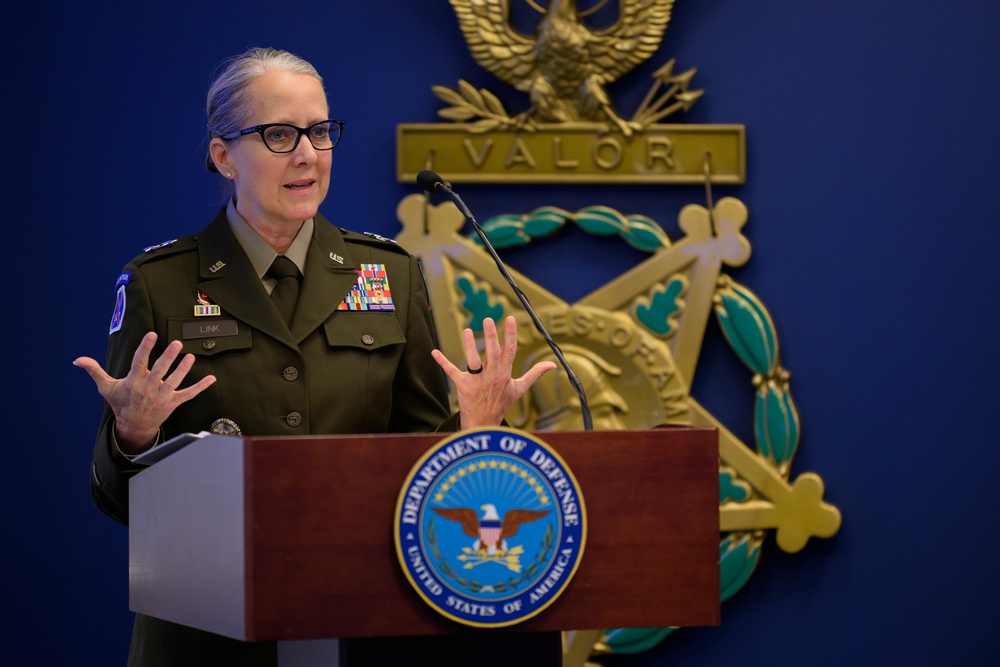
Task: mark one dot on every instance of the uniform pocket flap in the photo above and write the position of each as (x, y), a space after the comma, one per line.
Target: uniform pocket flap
(363, 330)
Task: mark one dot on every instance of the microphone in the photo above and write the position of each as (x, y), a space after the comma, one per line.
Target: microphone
(431, 182)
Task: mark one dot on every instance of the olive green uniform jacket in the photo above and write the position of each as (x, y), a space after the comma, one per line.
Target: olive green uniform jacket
(332, 371)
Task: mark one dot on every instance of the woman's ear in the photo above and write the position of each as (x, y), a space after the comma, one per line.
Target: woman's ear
(219, 154)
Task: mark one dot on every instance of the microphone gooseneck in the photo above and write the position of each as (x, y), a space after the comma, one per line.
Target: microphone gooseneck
(431, 182)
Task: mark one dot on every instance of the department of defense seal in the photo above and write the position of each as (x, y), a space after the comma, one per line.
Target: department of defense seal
(490, 526)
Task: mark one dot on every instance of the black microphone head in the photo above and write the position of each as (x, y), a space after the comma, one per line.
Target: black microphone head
(429, 181)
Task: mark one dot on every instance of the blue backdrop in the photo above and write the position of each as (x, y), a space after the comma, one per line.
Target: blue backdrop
(872, 145)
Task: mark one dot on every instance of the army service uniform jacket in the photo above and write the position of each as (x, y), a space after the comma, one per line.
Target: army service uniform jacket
(332, 371)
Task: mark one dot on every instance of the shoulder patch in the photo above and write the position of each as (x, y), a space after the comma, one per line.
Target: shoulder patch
(119, 313)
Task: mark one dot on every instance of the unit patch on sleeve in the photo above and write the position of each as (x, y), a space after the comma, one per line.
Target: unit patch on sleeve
(119, 314)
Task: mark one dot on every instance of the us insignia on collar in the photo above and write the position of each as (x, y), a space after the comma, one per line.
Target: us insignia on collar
(371, 292)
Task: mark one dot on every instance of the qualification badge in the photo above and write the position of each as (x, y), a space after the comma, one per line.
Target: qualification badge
(204, 306)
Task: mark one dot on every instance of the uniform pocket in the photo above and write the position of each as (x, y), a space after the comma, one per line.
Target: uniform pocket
(363, 330)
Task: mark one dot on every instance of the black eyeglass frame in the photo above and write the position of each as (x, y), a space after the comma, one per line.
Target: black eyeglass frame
(260, 129)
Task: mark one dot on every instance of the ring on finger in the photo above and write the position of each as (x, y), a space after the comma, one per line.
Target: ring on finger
(476, 371)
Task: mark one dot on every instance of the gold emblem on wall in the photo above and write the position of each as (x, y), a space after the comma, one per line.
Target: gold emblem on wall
(571, 131)
(634, 342)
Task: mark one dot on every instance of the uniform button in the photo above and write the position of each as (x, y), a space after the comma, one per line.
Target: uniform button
(367, 339)
(293, 419)
(208, 344)
(291, 373)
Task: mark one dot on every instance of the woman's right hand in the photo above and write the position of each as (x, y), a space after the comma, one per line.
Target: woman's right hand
(143, 399)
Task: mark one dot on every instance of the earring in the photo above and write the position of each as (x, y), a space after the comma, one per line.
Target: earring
(229, 174)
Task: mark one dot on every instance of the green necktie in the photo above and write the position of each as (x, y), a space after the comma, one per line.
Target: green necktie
(286, 291)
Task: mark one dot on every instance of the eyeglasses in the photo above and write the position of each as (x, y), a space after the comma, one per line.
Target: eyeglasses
(284, 138)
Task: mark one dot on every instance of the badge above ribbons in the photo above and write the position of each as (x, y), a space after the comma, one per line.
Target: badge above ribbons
(490, 527)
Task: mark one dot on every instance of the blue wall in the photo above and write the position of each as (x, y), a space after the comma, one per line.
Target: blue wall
(873, 147)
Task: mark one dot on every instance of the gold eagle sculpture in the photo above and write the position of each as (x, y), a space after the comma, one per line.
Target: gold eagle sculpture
(565, 65)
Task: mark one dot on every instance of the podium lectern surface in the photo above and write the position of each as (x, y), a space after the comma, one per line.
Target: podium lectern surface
(291, 538)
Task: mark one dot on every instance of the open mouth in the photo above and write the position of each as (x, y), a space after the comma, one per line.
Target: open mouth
(300, 185)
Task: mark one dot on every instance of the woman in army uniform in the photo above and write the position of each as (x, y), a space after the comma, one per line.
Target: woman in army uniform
(238, 347)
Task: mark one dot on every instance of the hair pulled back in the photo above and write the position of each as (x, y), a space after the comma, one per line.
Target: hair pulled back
(228, 103)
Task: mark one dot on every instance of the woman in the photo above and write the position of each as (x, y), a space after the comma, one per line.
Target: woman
(206, 310)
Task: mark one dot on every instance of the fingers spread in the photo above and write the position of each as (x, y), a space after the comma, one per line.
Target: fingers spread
(97, 374)
(449, 368)
(471, 351)
(509, 340)
(201, 385)
(491, 343)
(160, 367)
(535, 372)
(140, 360)
(174, 379)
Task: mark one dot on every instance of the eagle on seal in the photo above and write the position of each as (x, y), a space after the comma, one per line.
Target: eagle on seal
(565, 65)
(490, 531)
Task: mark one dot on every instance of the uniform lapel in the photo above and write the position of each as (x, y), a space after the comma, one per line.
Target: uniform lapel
(330, 274)
(229, 280)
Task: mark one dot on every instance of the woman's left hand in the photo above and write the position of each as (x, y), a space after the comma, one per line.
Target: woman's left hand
(485, 395)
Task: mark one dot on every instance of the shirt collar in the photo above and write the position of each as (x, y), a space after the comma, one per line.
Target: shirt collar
(260, 253)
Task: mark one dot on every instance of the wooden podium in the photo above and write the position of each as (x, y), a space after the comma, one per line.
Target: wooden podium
(290, 538)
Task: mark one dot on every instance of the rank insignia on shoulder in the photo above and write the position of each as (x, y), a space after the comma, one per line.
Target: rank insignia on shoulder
(379, 237)
(370, 292)
(159, 245)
